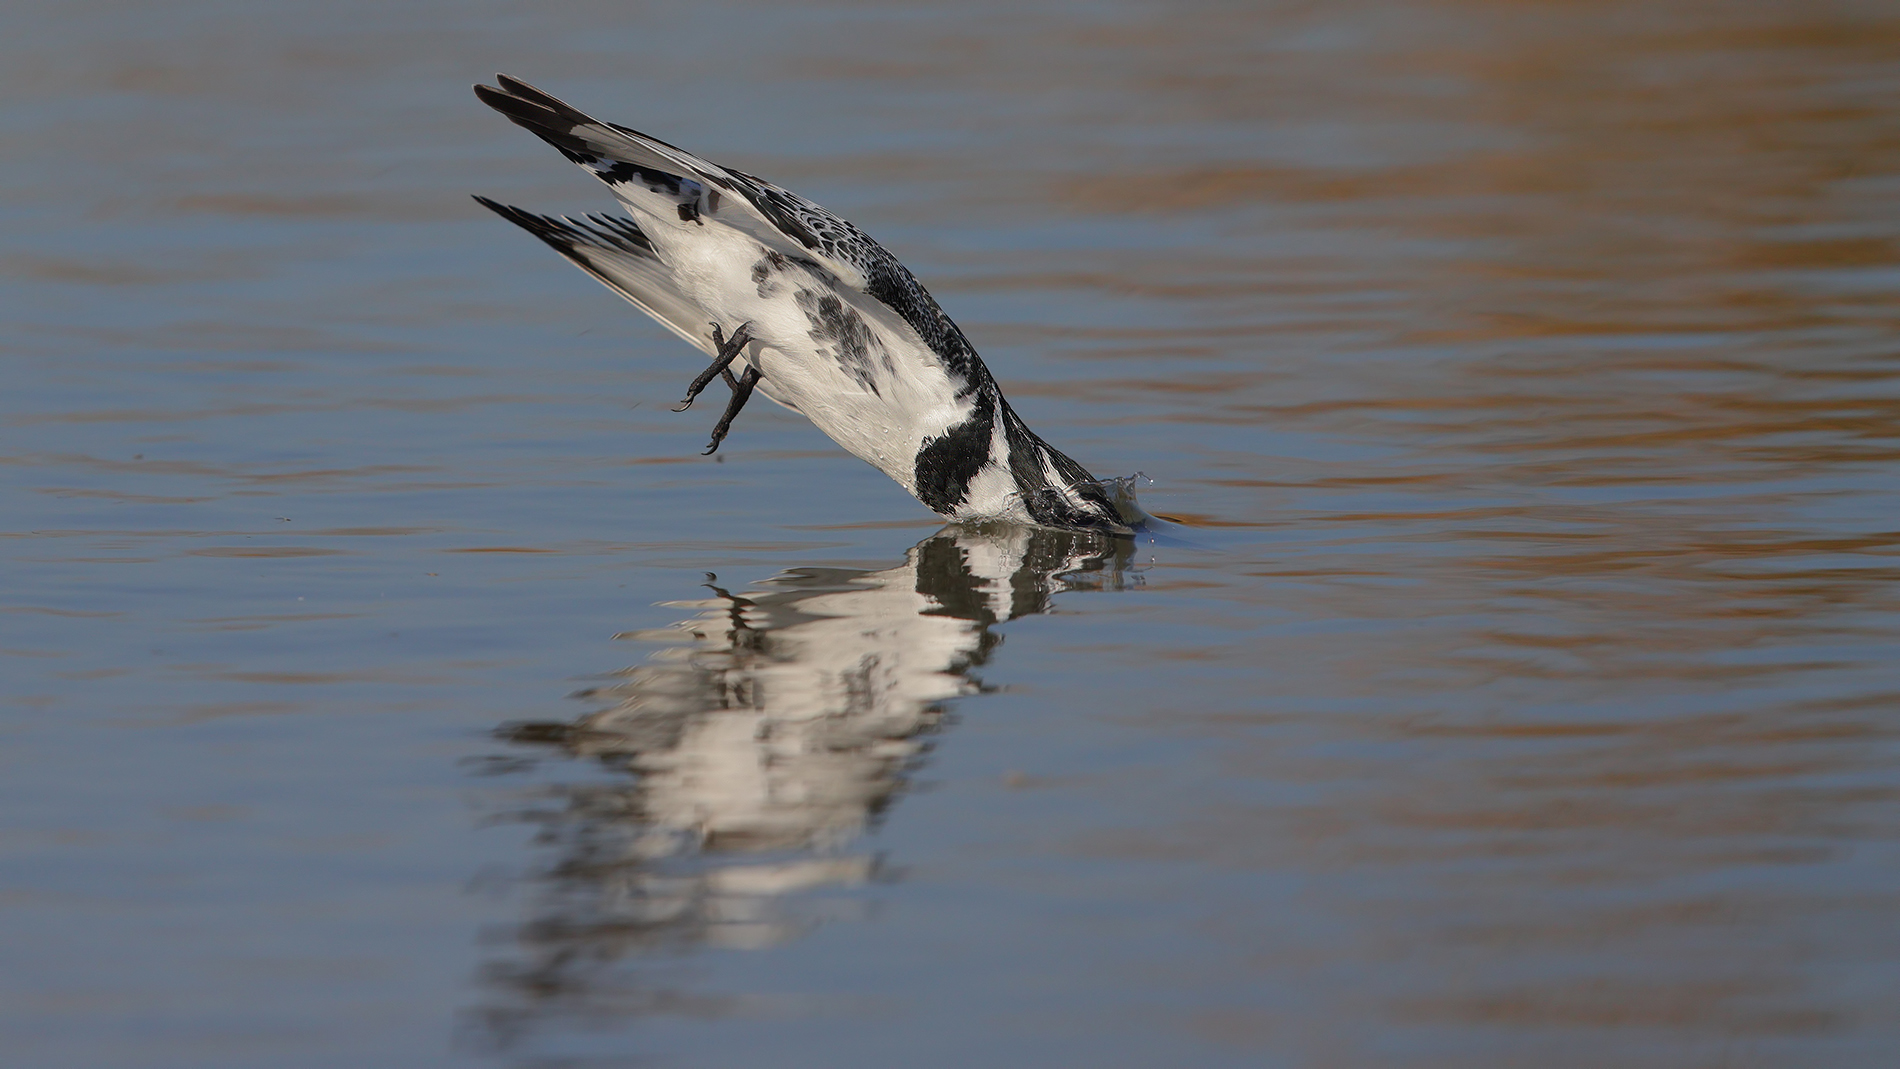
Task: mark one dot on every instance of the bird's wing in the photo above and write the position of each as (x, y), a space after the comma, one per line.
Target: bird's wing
(638, 167)
(619, 255)
(628, 158)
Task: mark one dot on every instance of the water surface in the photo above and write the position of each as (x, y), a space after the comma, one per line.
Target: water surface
(390, 682)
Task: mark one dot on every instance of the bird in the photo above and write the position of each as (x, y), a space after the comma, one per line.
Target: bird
(811, 312)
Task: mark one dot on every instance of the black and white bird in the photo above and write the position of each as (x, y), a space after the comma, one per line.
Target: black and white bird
(795, 302)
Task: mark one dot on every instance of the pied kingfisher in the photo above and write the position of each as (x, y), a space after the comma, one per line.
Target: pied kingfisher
(813, 313)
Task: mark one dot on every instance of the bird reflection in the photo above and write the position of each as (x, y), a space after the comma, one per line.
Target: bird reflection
(745, 758)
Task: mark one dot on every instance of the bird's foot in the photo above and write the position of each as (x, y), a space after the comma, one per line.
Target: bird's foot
(728, 348)
(741, 392)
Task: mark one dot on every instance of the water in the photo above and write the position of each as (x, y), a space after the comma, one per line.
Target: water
(389, 682)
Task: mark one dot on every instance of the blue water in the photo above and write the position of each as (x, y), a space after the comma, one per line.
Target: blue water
(388, 680)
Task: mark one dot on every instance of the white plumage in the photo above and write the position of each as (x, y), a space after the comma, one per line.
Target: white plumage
(812, 312)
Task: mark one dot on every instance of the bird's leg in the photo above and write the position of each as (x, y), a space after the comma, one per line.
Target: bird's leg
(728, 349)
(740, 393)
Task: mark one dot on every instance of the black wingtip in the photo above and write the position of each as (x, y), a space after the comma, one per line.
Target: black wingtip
(541, 115)
(496, 206)
(514, 107)
(523, 89)
(518, 98)
(553, 231)
(564, 234)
